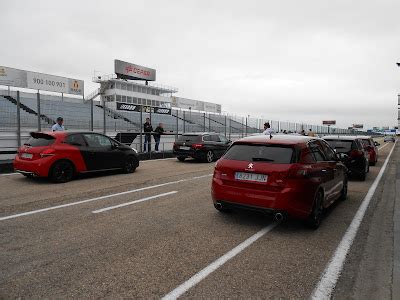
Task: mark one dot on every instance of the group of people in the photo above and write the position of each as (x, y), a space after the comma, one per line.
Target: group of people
(269, 131)
(148, 131)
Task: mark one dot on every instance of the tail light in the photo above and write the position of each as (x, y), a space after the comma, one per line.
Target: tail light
(299, 171)
(356, 153)
(47, 152)
(197, 146)
(217, 174)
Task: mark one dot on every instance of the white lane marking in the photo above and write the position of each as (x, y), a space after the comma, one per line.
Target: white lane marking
(9, 174)
(195, 279)
(158, 159)
(332, 272)
(100, 198)
(133, 202)
(382, 146)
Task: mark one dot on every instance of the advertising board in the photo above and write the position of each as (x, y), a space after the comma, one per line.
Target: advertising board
(126, 70)
(40, 81)
(329, 122)
(145, 109)
(359, 126)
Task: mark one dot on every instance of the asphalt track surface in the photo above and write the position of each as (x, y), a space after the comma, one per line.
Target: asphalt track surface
(145, 235)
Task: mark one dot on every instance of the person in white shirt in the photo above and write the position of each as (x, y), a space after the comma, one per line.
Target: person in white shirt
(267, 129)
(59, 125)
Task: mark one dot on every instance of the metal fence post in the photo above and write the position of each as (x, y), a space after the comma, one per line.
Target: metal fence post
(104, 116)
(91, 115)
(230, 128)
(245, 129)
(209, 122)
(184, 121)
(225, 126)
(141, 129)
(38, 112)
(18, 121)
(177, 125)
(204, 122)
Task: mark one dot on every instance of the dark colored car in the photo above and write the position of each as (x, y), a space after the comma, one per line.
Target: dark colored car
(352, 152)
(283, 176)
(60, 155)
(205, 147)
(371, 147)
(389, 138)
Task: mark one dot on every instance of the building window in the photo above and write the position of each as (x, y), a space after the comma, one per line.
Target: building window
(123, 86)
(158, 103)
(124, 99)
(129, 99)
(153, 103)
(134, 88)
(118, 98)
(118, 85)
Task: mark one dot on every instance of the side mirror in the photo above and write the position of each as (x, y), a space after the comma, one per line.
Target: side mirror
(228, 141)
(114, 146)
(342, 156)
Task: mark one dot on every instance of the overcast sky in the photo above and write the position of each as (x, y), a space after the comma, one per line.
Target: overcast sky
(286, 60)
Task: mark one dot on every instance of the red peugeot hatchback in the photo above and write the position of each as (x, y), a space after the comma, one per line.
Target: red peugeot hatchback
(60, 155)
(281, 175)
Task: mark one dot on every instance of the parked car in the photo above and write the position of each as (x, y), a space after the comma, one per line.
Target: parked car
(389, 138)
(60, 155)
(284, 175)
(205, 147)
(371, 147)
(352, 152)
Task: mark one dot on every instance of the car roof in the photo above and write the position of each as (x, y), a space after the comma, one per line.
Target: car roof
(198, 133)
(341, 137)
(277, 139)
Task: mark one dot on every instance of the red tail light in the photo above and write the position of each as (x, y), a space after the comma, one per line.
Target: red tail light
(47, 152)
(197, 146)
(299, 171)
(356, 153)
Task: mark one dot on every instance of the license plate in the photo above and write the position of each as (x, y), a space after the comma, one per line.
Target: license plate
(184, 148)
(26, 155)
(251, 177)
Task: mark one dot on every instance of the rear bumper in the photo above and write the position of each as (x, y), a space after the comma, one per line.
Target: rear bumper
(188, 153)
(38, 167)
(293, 201)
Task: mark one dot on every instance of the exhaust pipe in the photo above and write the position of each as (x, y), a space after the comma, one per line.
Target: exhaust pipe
(279, 217)
(218, 205)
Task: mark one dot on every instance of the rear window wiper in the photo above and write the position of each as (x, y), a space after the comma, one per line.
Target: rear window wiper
(261, 159)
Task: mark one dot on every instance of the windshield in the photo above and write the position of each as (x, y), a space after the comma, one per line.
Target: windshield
(341, 146)
(40, 141)
(261, 153)
(189, 138)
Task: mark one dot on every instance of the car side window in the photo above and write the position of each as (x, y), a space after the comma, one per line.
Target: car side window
(97, 140)
(329, 153)
(75, 140)
(215, 138)
(316, 151)
(206, 138)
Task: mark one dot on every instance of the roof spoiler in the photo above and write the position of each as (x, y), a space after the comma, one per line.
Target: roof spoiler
(42, 135)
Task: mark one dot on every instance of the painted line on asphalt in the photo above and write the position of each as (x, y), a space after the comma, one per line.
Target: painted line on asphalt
(133, 202)
(158, 159)
(100, 198)
(333, 270)
(195, 279)
(382, 146)
(9, 174)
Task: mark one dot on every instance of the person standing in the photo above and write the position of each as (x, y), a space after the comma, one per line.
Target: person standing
(147, 128)
(267, 129)
(59, 125)
(311, 133)
(157, 134)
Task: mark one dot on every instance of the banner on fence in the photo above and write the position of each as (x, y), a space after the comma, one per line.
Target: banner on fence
(145, 109)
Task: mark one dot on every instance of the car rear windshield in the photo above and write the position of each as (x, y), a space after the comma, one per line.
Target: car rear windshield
(341, 146)
(262, 153)
(40, 141)
(189, 138)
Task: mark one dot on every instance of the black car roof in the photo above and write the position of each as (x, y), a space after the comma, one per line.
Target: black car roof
(342, 137)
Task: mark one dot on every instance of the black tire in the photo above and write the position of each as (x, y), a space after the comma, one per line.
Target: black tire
(315, 218)
(209, 156)
(373, 163)
(363, 176)
(343, 193)
(130, 164)
(62, 171)
(181, 158)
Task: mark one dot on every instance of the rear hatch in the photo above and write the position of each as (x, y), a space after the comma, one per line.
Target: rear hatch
(37, 146)
(256, 166)
(186, 141)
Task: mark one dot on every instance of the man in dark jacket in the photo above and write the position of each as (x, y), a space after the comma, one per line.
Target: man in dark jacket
(147, 128)
(157, 134)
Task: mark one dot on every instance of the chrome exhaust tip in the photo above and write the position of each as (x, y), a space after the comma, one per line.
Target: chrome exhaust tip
(218, 205)
(279, 217)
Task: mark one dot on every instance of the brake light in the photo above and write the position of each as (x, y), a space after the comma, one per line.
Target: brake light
(47, 152)
(217, 174)
(197, 146)
(299, 171)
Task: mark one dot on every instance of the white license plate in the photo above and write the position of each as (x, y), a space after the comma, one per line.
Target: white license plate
(26, 155)
(251, 177)
(184, 148)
